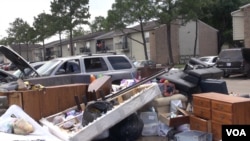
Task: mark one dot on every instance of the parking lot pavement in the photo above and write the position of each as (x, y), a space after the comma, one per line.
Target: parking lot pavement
(238, 84)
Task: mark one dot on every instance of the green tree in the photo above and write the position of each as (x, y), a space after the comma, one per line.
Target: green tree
(42, 25)
(127, 12)
(98, 24)
(4, 41)
(73, 13)
(26, 36)
(170, 11)
(194, 10)
(218, 15)
(18, 33)
(59, 21)
(78, 31)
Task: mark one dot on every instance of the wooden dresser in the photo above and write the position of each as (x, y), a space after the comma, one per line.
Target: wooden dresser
(219, 109)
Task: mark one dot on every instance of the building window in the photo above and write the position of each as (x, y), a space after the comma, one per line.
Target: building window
(100, 46)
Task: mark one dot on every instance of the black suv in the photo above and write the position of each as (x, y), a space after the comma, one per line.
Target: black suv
(231, 61)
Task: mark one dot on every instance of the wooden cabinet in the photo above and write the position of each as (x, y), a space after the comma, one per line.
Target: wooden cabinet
(200, 124)
(220, 109)
(51, 100)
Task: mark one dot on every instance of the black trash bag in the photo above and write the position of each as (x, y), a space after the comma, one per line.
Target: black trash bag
(171, 134)
(129, 129)
(95, 109)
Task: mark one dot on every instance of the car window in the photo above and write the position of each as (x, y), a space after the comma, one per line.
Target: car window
(48, 67)
(215, 59)
(69, 67)
(95, 64)
(119, 62)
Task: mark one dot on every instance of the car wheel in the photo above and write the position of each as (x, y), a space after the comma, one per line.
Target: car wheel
(247, 75)
(225, 75)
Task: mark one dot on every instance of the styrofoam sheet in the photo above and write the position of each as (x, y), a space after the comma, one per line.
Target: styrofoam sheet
(39, 133)
(112, 117)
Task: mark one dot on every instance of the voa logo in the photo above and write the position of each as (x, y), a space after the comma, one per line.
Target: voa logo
(236, 132)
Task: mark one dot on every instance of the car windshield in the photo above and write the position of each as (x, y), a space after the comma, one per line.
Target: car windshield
(17, 73)
(48, 67)
(232, 54)
(28, 71)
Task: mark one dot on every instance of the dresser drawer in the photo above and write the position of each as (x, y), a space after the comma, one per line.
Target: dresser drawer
(216, 130)
(202, 102)
(222, 117)
(200, 124)
(202, 112)
(222, 106)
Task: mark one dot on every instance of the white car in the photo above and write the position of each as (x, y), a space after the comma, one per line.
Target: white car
(143, 63)
(210, 60)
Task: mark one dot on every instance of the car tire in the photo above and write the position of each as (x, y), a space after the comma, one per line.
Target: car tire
(247, 75)
(225, 75)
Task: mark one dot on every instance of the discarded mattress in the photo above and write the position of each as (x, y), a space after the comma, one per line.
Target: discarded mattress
(129, 102)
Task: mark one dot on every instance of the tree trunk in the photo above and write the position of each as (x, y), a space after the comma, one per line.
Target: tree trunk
(44, 52)
(144, 40)
(71, 42)
(60, 38)
(196, 35)
(221, 41)
(27, 52)
(171, 60)
(20, 50)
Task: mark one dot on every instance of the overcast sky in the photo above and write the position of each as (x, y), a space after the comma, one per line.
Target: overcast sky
(28, 9)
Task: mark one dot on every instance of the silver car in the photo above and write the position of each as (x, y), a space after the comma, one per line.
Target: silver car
(210, 60)
(117, 66)
(74, 69)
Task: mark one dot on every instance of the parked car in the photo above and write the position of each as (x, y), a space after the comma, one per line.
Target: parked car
(1, 65)
(210, 60)
(28, 71)
(117, 66)
(9, 66)
(4, 65)
(144, 63)
(75, 69)
(6, 77)
(231, 61)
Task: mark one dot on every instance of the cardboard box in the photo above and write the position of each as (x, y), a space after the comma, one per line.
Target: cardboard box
(182, 117)
(173, 122)
(193, 135)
